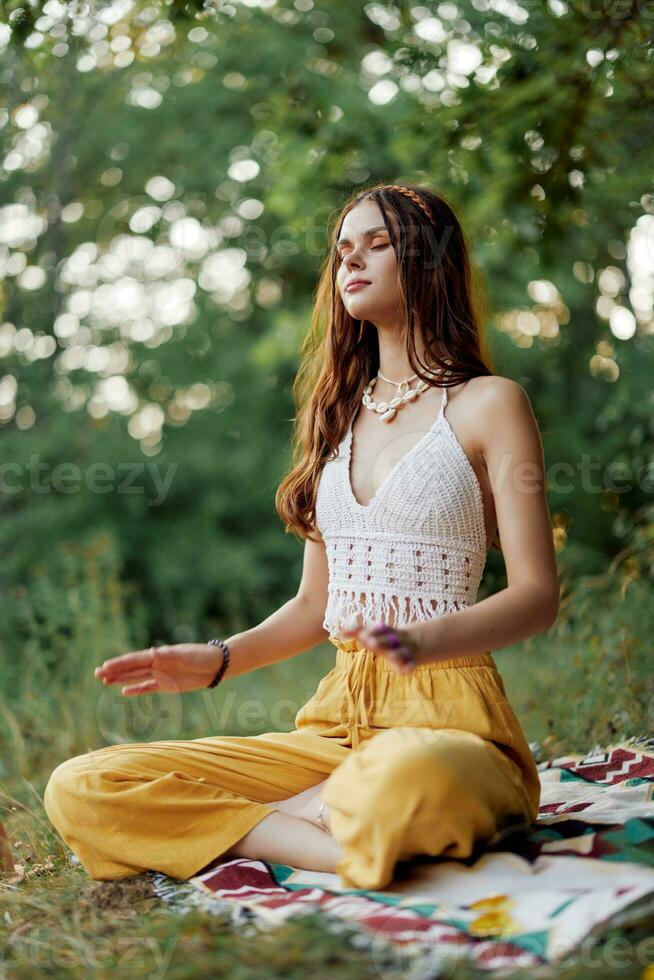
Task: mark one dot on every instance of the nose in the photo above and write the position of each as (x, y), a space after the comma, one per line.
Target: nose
(352, 261)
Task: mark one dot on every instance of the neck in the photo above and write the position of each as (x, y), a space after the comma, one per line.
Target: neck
(393, 361)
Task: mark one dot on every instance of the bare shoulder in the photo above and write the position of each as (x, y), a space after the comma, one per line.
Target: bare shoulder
(502, 408)
(495, 389)
(498, 396)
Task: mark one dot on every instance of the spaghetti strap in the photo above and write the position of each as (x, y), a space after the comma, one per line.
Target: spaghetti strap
(418, 547)
(443, 399)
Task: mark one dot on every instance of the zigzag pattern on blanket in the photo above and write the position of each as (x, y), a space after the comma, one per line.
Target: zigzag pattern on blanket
(530, 898)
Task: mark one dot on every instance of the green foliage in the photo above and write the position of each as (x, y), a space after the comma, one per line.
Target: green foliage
(549, 205)
(544, 198)
(73, 612)
(594, 664)
(76, 610)
(546, 156)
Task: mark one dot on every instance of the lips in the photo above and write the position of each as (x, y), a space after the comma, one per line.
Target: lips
(356, 284)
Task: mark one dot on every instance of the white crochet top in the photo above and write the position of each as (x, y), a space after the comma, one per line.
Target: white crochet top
(418, 548)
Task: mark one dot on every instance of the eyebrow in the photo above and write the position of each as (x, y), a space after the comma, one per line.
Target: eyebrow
(368, 231)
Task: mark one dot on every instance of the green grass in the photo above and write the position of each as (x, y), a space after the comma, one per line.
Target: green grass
(588, 680)
(585, 682)
(60, 923)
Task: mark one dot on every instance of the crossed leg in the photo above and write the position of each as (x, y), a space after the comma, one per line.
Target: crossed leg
(292, 835)
(419, 791)
(177, 806)
(405, 792)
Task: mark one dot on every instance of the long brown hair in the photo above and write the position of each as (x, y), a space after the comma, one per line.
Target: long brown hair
(339, 355)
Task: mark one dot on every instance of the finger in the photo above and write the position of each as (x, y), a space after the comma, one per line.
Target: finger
(128, 676)
(391, 640)
(387, 640)
(402, 656)
(406, 656)
(380, 627)
(122, 676)
(145, 688)
(140, 658)
(366, 637)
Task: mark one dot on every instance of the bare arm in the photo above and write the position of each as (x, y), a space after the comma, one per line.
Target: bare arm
(511, 445)
(294, 627)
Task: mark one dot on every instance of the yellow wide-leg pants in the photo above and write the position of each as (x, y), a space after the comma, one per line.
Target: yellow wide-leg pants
(428, 763)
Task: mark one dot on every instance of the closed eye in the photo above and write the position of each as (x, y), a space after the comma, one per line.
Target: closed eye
(339, 255)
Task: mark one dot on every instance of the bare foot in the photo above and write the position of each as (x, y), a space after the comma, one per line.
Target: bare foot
(305, 806)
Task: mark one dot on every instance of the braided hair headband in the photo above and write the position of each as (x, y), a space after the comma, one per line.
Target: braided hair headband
(414, 197)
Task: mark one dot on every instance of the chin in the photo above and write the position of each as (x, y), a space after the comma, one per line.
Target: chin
(363, 310)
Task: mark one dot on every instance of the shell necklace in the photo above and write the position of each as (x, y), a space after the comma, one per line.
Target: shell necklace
(388, 410)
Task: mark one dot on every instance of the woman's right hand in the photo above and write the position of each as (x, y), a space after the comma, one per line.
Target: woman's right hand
(176, 668)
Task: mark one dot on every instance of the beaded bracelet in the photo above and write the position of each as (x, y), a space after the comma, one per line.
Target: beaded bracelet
(223, 667)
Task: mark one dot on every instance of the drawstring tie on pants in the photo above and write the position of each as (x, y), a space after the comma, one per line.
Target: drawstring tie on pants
(359, 676)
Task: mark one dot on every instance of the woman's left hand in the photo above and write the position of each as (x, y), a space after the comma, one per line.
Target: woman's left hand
(401, 647)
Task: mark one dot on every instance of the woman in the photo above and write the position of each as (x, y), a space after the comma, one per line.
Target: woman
(409, 745)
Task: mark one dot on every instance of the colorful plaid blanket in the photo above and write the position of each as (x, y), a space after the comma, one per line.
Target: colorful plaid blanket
(534, 895)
